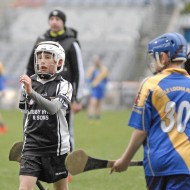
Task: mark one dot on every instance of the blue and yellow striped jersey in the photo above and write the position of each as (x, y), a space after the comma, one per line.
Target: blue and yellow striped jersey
(162, 109)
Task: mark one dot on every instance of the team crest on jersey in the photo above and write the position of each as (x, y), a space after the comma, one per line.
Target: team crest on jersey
(137, 99)
(31, 102)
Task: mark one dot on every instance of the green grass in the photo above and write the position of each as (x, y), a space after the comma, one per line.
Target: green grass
(106, 139)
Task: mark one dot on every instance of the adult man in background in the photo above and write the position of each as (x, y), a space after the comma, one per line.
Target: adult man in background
(73, 70)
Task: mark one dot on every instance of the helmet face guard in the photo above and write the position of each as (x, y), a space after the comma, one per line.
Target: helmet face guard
(174, 44)
(58, 53)
(152, 65)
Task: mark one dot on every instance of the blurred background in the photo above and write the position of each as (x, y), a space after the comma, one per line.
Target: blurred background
(117, 29)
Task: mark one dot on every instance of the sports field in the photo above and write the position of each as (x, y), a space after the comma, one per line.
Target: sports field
(105, 139)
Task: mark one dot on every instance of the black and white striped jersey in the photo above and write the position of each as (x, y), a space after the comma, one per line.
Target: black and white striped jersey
(45, 127)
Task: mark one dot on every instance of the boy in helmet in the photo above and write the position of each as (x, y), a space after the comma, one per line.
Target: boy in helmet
(161, 118)
(44, 98)
(73, 70)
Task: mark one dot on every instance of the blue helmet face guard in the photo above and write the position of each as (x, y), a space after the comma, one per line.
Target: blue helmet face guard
(151, 63)
(174, 44)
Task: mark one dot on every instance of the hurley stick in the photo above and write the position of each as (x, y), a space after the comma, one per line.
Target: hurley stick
(78, 161)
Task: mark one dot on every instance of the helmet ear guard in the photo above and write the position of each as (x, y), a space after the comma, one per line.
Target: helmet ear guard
(59, 56)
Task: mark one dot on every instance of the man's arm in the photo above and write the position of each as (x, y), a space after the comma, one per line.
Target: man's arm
(77, 66)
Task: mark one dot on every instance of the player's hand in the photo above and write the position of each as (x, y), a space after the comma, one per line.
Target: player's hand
(119, 166)
(26, 80)
(76, 107)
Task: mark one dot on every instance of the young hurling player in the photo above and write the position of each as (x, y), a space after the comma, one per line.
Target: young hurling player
(161, 118)
(97, 78)
(73, 70)
(45, 98)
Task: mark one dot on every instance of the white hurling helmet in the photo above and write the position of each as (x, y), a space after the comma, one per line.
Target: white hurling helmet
(58, 54)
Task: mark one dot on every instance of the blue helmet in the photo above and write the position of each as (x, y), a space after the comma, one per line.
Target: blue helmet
(172, 43)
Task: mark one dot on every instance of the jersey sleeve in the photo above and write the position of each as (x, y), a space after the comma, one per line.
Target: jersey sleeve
(141, 113)
(23, 101)
(64, 94)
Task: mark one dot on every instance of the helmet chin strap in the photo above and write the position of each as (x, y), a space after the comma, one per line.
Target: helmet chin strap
(45, 76)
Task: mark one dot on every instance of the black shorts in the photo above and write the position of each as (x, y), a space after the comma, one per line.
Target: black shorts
(47, 169)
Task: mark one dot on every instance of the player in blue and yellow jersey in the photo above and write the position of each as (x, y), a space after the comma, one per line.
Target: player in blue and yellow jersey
(161, 118)
(97, 78)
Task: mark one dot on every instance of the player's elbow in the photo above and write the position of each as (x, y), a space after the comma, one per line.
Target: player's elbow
(52, 111)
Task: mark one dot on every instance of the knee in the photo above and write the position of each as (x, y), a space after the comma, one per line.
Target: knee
(25, 188)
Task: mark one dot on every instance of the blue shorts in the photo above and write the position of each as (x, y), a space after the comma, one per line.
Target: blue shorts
(171, 182)
(98, 93)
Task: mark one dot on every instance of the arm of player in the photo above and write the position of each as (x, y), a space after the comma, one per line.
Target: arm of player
(136, 141)
(53, 106)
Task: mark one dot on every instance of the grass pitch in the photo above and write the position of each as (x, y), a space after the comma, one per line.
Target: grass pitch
(106, 139)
